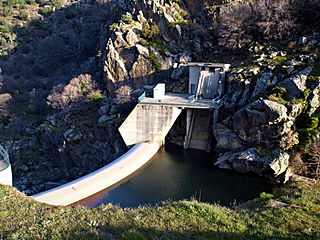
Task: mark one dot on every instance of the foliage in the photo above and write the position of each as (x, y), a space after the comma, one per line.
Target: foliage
(127, 18)
(46, 11)
(24, 16)
(113, 26)
(123, 94)
(7, 12)
(155, 62)
(259, 20)
(56, 3)
(278, 95)
(5, 26)
(257, 219)
(265, 196)
(78, 89)
(95, 97)
(150, 31)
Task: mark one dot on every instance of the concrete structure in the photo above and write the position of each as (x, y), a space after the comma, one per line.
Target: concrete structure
(159, 91)
(152, 118)
(101, 179)
(148, 123)
(207, 79)
(5, 168)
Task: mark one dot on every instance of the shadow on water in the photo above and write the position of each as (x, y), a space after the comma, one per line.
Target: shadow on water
(177, 174)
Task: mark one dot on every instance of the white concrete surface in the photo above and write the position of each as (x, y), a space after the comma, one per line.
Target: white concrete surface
(101, 179)
(159, 91)
(148, 123)
(6, 176)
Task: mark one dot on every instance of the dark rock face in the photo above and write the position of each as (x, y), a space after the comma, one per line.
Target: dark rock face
(250, 126)
(272, 166)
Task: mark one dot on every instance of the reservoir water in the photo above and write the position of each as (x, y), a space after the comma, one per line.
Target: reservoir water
(177, 174)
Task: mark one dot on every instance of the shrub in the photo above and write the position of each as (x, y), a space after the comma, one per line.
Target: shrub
(127, 18)
(7, 11)
(123, 94)
(56, 3)
(113, 26)
(31, 2)
(5, 55)
(3, 41)
(41, 2)
(156, 64)
(11, 3)
(259, 20)
(24, 16)
(46, 11)
(150, 31)
(61, 96)
(5, 26)
(95, 97)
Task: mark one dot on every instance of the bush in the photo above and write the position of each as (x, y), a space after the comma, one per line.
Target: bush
(150, 31)
(7, 12)
(46, 11)
(31, 2)
(79, 89)
(5, 26)
(259, 20)
(123, 94)
(56, 3)
(24, 16)
(11, 3)
(95, 97)
(155, 61)
(41, 2)
(3, 41)
(127, 18)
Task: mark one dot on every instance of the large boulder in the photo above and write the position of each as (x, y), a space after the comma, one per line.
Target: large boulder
(296, 84)
(250, 126)
(271, 166)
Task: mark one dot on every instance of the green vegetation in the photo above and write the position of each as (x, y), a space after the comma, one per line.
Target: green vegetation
(150, 31)
(24, 16)
(278, 95)
(23, 218)
(156, 64)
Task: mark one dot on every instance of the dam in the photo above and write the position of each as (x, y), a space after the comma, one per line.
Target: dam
(152, 118)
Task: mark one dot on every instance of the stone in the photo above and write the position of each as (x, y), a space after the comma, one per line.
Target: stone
(131, 38)
(179, 73)
(103, 110)
(314, 98)
(142, 50)
(302, 41)
(262, 83)
(296, 84)
(227, 140)
(249, 161)
(106, 118)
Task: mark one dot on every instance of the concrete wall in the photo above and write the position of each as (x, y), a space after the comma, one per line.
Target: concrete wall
(101, 179)
(148, 123)
(6, 176)
(194, 74)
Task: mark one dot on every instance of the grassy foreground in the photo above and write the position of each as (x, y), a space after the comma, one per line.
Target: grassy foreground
(23, 218)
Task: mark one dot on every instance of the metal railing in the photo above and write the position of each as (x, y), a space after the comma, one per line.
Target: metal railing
(215, 103)
(4, 159)
(140, 99)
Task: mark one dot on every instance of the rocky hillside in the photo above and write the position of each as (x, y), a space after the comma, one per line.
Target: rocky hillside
(83, 65)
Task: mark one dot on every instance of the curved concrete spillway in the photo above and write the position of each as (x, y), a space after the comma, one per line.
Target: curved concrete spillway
(103, 178)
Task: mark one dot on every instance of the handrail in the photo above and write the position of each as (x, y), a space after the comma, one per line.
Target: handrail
(4, 159)
(143, 95)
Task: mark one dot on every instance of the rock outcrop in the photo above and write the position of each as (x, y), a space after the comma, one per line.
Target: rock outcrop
(272, 166)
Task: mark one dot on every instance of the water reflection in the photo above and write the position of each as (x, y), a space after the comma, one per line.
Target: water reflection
(176, 174)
